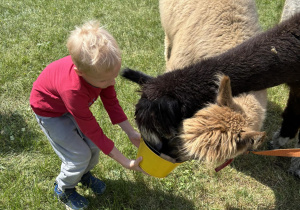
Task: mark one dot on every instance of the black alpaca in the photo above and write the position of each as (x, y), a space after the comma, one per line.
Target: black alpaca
(266, 60)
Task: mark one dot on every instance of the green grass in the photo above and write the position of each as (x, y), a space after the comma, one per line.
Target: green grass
(33, 34)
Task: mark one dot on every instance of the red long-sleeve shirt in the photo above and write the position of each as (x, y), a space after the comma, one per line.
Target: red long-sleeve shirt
(59, 90)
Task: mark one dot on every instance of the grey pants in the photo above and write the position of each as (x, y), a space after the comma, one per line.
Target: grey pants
(77, 153)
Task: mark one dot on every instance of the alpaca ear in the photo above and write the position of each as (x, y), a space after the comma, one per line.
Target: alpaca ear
(135, 76)
(253, 138)
(224, 97)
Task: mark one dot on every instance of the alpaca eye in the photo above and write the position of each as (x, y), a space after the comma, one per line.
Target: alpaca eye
(239, 136)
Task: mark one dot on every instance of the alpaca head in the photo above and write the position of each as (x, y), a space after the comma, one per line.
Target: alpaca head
(219, 131)
(157, 116)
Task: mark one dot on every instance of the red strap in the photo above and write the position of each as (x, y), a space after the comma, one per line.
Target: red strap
(226, 163)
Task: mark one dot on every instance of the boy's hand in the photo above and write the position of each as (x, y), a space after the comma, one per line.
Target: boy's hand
(125, 162)
(135, 138)
(134, 165)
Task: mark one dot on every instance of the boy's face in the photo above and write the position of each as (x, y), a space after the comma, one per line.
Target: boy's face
(101, 80)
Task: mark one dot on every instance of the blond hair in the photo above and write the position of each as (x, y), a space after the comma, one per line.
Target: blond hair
(93, 49)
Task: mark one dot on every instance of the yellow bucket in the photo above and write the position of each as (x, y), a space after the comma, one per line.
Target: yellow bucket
(152, 163)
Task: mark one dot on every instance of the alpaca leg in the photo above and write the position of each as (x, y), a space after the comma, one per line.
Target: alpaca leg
(290, 8)
(291, 119)
(295, 163)
(290, 127)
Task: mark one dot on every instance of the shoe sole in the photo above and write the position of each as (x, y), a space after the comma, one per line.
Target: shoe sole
(69, 208)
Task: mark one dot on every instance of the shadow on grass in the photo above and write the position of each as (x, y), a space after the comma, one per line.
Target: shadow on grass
(272, 171)
(15, 133)
(122, 194)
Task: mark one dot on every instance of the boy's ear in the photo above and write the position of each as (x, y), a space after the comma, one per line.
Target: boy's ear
(78, 72)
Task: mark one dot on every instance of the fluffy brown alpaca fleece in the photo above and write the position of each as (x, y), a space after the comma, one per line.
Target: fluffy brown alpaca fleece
(227, 128)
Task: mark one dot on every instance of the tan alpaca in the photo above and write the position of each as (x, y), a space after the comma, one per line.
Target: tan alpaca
(226, 129)
(198, 29)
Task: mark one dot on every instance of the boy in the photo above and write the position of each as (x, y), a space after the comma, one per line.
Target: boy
(61, 97)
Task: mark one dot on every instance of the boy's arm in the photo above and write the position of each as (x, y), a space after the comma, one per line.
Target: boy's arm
(132, 134)
(117, 115)
(111, 104)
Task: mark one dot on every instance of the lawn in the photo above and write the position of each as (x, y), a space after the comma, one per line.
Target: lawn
(34, 33)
